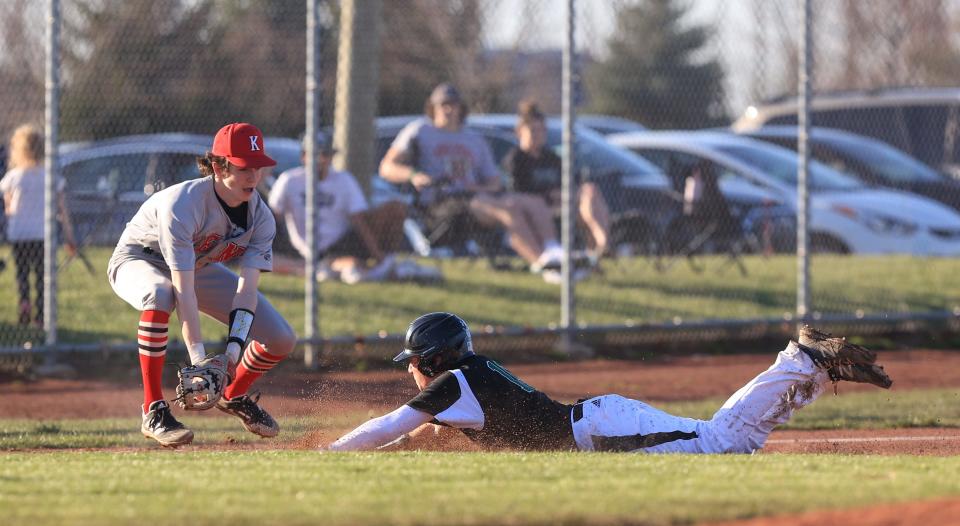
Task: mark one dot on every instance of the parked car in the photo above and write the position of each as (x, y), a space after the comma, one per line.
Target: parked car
(641, 199)
(608, 124)
(869, 160)
(108, 180)
(761, 212)
(919, 121)
(637, 192)
(845, 215)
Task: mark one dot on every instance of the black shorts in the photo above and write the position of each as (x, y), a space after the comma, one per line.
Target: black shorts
(350, 244)
(451, 212)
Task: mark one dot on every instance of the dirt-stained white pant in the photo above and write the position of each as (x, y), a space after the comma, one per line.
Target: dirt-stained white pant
(146, 287)
(615, 423)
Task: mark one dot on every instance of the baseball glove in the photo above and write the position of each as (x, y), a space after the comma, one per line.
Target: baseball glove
(202, 384)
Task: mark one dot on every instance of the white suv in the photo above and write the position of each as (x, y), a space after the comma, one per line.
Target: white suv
(845, 215)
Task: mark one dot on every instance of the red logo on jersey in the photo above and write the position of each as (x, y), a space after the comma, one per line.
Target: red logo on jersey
(231, 251)
(207, 243)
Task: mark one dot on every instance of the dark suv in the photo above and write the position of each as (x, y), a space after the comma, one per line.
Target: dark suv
(923, 122)
(874, 162)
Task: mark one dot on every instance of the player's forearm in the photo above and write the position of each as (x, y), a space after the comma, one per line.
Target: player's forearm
(189, 316)
(188, 311)
(247, 285)
(380, 431)
(242, 313)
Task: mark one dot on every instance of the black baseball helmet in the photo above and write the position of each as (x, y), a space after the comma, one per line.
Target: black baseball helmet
(439, 339)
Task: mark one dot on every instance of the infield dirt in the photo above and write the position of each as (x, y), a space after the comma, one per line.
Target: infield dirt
(289, 393)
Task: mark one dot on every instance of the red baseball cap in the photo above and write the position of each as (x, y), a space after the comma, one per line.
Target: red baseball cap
(242, 144)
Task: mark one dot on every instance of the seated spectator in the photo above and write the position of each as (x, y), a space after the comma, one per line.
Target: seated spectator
(453, 170)
(356, 243)
(536, 170)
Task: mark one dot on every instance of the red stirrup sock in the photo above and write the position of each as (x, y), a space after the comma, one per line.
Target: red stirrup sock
(152, 339)
(256, 361)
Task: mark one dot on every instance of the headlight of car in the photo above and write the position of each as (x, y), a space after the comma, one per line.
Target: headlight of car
(878, 222)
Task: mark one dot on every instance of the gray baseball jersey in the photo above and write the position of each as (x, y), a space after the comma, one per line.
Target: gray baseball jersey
(184, 227)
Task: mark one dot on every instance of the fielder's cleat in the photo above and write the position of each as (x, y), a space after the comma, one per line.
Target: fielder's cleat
(254, 418)
(160, 425)
(841, 359)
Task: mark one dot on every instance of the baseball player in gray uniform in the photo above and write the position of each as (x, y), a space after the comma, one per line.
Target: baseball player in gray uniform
(172, 255)
(494, 408)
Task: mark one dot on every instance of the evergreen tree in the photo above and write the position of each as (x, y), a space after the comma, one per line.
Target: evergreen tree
(655, 73)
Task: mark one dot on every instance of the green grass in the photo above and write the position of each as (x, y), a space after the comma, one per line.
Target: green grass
(628, 290)
(266, 487)
(304, 487)
(871, 409)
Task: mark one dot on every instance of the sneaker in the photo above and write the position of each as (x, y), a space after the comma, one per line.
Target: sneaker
(255, 419)
(841, 359)
(547, 261)
(352, 275)
(553, 277)
(160, 425)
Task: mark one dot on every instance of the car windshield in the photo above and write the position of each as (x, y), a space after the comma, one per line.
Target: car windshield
(594, 153)
(599, 156)
(885, 161)
(781, 164)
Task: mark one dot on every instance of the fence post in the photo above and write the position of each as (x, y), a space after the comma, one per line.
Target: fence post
(570, 78)
(803, 197)
(311, 292)
(51, 161)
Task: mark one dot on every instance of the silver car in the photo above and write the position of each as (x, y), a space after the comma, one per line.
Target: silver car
(108, 180)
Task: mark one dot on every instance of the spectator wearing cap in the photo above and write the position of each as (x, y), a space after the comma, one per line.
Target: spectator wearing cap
(356, 243)
(453, 170)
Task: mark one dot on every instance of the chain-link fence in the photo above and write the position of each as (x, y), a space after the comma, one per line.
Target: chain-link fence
(672, 227)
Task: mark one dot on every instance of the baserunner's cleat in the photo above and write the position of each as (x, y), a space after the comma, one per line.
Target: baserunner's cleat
(841, 359)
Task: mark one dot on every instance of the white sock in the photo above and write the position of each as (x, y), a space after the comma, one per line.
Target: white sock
(196, 352)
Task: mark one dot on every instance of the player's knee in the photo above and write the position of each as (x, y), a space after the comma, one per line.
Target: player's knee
(284, 341)
(159, 297)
